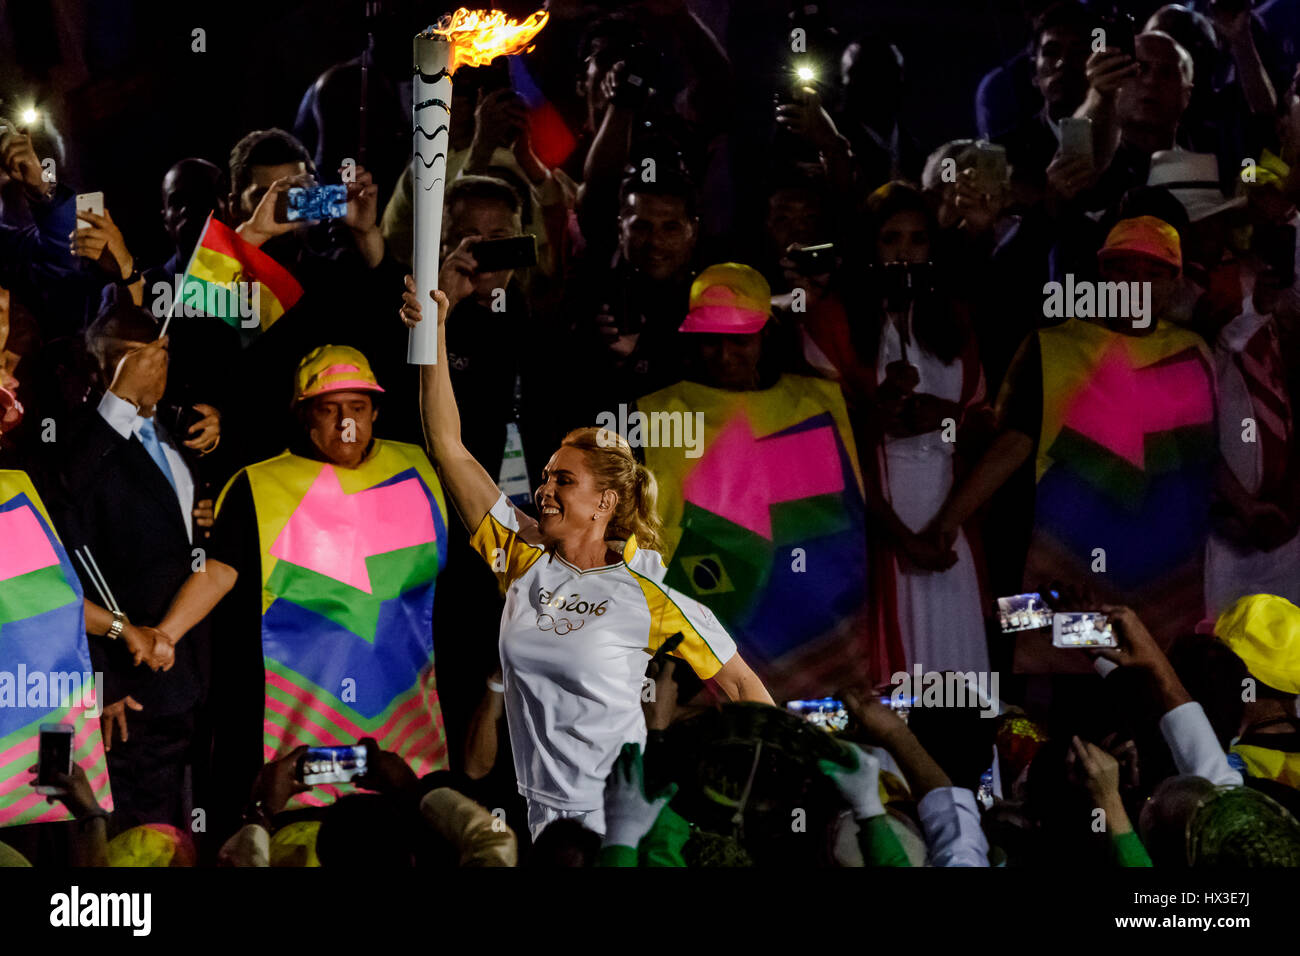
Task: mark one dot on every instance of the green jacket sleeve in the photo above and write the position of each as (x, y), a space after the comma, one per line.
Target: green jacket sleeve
(662, 846)
(880, 847)
(616, 856)
(1128, 850)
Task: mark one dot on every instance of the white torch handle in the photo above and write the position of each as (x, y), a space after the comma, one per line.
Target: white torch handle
(430, 140)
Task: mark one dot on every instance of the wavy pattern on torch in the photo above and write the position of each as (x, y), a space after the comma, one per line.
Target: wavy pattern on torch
(429, 164)
(433, 102)
(427, 135)
(433, 77)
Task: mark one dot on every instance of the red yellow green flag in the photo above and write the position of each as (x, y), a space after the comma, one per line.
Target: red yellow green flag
(236, 282)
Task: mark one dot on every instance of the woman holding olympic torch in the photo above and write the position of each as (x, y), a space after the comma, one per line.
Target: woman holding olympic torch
(585, 603)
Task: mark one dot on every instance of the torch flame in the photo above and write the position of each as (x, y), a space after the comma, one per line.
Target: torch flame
(480, 36)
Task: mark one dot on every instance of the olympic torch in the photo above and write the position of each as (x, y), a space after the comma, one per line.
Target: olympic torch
(466, 38)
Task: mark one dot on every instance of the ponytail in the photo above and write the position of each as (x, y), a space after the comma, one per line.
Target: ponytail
(616, 468)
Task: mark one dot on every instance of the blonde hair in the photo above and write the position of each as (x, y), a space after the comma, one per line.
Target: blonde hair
(616, 468)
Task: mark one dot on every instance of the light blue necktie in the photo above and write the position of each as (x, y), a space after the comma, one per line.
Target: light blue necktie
(149, 438)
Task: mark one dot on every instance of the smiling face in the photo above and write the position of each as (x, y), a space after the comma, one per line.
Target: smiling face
(657, 235)
(340, 425)
(568, 497)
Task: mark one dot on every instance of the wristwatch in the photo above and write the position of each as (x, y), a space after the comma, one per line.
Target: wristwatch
(134, 277)
(119, 623)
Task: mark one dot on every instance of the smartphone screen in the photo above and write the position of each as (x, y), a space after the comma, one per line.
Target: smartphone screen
(332, 765)
(317, 202)
(513, 252)
(1076, 137)
(55, 756)
(814, 260)
(1023, 612)
(89, 202)
(1082, 629)
(828, 713)
(991, 166)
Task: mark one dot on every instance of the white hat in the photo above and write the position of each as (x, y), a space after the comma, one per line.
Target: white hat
(1193, 178)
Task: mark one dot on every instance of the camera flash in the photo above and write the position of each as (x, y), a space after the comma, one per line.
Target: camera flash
(30, 116)
(805, 73)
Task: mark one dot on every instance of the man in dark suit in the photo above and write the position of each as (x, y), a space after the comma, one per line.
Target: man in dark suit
(128, 495)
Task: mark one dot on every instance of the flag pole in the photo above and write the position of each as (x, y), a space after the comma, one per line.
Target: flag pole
(184, 275)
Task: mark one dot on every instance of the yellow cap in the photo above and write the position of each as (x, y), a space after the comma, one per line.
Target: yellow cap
(295, 845)
(1264, 631)
(333, 368)
(1144, 236)
(728, 298)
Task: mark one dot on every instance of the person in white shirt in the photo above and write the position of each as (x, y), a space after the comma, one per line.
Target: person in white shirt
(585, 603)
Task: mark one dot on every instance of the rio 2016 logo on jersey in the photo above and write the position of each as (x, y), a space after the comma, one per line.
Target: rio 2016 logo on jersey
(573, 602)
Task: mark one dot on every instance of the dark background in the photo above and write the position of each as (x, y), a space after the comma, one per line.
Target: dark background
(130, 97)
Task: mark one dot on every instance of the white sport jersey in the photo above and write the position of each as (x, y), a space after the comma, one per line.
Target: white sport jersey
(574, 649)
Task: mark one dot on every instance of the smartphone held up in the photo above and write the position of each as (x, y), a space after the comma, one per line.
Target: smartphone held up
(322, 765)
(55, 757)
(1070, 629)
(316, 203)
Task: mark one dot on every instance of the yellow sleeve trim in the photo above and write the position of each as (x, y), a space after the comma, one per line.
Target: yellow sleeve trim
(507, 554)
(666, 619)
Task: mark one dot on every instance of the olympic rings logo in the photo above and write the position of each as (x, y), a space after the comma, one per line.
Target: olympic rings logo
(561, 627)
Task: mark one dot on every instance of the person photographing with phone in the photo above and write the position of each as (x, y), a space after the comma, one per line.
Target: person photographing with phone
(585, 606)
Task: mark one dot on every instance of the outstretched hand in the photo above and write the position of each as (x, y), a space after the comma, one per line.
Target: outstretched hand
(630, 813)
(857, 776)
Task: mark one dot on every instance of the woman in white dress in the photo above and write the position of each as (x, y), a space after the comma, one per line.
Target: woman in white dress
(927, 377)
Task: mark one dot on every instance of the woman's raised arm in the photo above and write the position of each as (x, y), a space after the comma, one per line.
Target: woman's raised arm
(470, 487)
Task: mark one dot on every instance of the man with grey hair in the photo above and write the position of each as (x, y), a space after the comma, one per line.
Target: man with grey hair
(1136, 103)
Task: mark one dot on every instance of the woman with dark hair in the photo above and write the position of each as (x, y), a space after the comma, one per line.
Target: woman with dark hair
(927, 379)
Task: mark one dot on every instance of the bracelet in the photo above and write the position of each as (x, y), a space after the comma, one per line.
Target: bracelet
(98, 812)
(134, 277)
(119, 623)
(496, 686)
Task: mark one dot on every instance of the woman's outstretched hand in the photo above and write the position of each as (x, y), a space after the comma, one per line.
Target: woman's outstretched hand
(411, 312)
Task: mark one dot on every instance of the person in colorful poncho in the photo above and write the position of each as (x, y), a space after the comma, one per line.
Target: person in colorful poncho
(338, 541)
(1120, 415)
